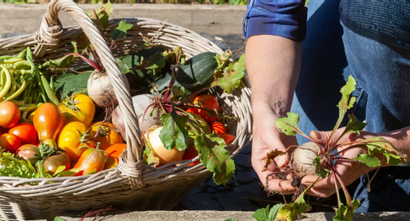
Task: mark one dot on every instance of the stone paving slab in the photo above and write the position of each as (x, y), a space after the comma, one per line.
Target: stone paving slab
(223, 215)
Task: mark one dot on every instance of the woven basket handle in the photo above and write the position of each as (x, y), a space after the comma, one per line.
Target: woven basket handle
(51, 29)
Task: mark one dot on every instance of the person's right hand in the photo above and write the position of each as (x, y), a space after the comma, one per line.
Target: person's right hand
(267, 137)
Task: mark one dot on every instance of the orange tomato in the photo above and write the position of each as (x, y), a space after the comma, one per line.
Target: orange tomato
(48, 121)
(228, 138)
(92, 160)
(9, 114)
(106, 134)
(218, 127)
(189, 154)
(26, 132)
(114, 152)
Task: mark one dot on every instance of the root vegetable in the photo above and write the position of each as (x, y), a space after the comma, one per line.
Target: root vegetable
(141, 103)
(154, 142)
(302, 159)
(101, 91)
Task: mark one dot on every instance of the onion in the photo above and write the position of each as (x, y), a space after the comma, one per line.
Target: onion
(101, 91)
(154, 142)
(140, 103)
(302, 159)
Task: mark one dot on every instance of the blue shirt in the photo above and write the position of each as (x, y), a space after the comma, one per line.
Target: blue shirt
(285, 18)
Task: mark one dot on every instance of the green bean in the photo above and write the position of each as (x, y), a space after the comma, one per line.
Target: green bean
(52, 82)
(12, 60)
(21, 64)
(18, 92)
(18, 103)
(7, 85)
(5, 57)
(22, 54)
(38, 98)
(49, 91)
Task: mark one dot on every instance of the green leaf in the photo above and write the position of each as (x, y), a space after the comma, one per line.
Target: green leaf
(354, 125)
(261, 214)
(103, 14)
(57, 218)
(63, 62)
(174, 133)
(156, 62)
(345, 213)
(70, 82)
(121, 30)
(59, 170)
(368, 160)
(214, 157)
(70, 172)
(288, 125)
(149, 157)
(380, 145)
(320, 170)
(230, 78)
(123, 68)
(290, 211)
(274, 211)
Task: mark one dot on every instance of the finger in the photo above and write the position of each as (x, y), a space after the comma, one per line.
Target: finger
(279, 186)
(320, 136)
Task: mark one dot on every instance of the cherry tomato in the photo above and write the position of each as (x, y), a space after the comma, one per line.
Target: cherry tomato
(54, 161)
(114, 152)
(9, 114)
(10, 141)
(92, 160)
(48, 121)
(218, 127)
(29, 152)
(26, 132)
(72, 137)
(78, 107)
(106, 135)
(208, 102)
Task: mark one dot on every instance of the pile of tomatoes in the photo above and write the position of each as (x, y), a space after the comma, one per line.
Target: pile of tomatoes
(61, 136)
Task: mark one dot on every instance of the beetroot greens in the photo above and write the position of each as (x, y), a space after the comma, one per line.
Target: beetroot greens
(313, 158)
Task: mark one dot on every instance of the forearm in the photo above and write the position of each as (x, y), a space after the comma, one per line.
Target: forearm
(273, 65)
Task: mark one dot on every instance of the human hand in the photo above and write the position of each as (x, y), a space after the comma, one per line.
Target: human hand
(266, 137)
(347, 171)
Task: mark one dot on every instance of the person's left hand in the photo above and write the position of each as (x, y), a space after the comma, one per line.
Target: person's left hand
(347, 171)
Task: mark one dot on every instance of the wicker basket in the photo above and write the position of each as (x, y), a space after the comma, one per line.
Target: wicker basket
(131, 185)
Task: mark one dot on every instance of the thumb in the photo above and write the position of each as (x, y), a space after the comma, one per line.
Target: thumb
(320, 136)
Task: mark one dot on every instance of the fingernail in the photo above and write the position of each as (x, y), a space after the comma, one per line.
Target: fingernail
(315, 135)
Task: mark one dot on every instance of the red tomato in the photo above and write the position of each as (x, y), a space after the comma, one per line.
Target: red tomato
(54, 161)
(114, 152)
(218, 127)
(9, 141)
(48, 121)
(209, 102)
(191, 153)
(26, 132)
(29, 152)
(9, 114)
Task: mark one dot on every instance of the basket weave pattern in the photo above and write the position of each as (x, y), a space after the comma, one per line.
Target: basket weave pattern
(132, 184)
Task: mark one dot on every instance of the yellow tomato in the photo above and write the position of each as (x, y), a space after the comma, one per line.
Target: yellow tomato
(78, 107)
(107, 135)
(72, 137)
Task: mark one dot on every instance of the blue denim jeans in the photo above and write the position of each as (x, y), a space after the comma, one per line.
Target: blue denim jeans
(371, 41)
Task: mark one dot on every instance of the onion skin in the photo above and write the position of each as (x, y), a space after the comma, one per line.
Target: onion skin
(154, 142)
(101, 91)
(302, 159)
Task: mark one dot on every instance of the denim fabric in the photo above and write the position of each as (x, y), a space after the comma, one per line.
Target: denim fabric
(373, 45)
(285, 18)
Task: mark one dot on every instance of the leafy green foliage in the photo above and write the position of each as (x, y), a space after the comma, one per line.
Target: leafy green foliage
(320, 170)
(12, 166)
(368, 160)
(212, 153)
(123, 67)
(345, 213)
(103, 14)
(174, 134)
(288, 125)
(121, 30)
(380, 145)
(354, 125)
(266, 214)
(69, 83)
(231, 76)
(63, 62)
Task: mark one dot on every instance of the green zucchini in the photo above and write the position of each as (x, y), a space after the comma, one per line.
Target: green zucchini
(195, 74)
